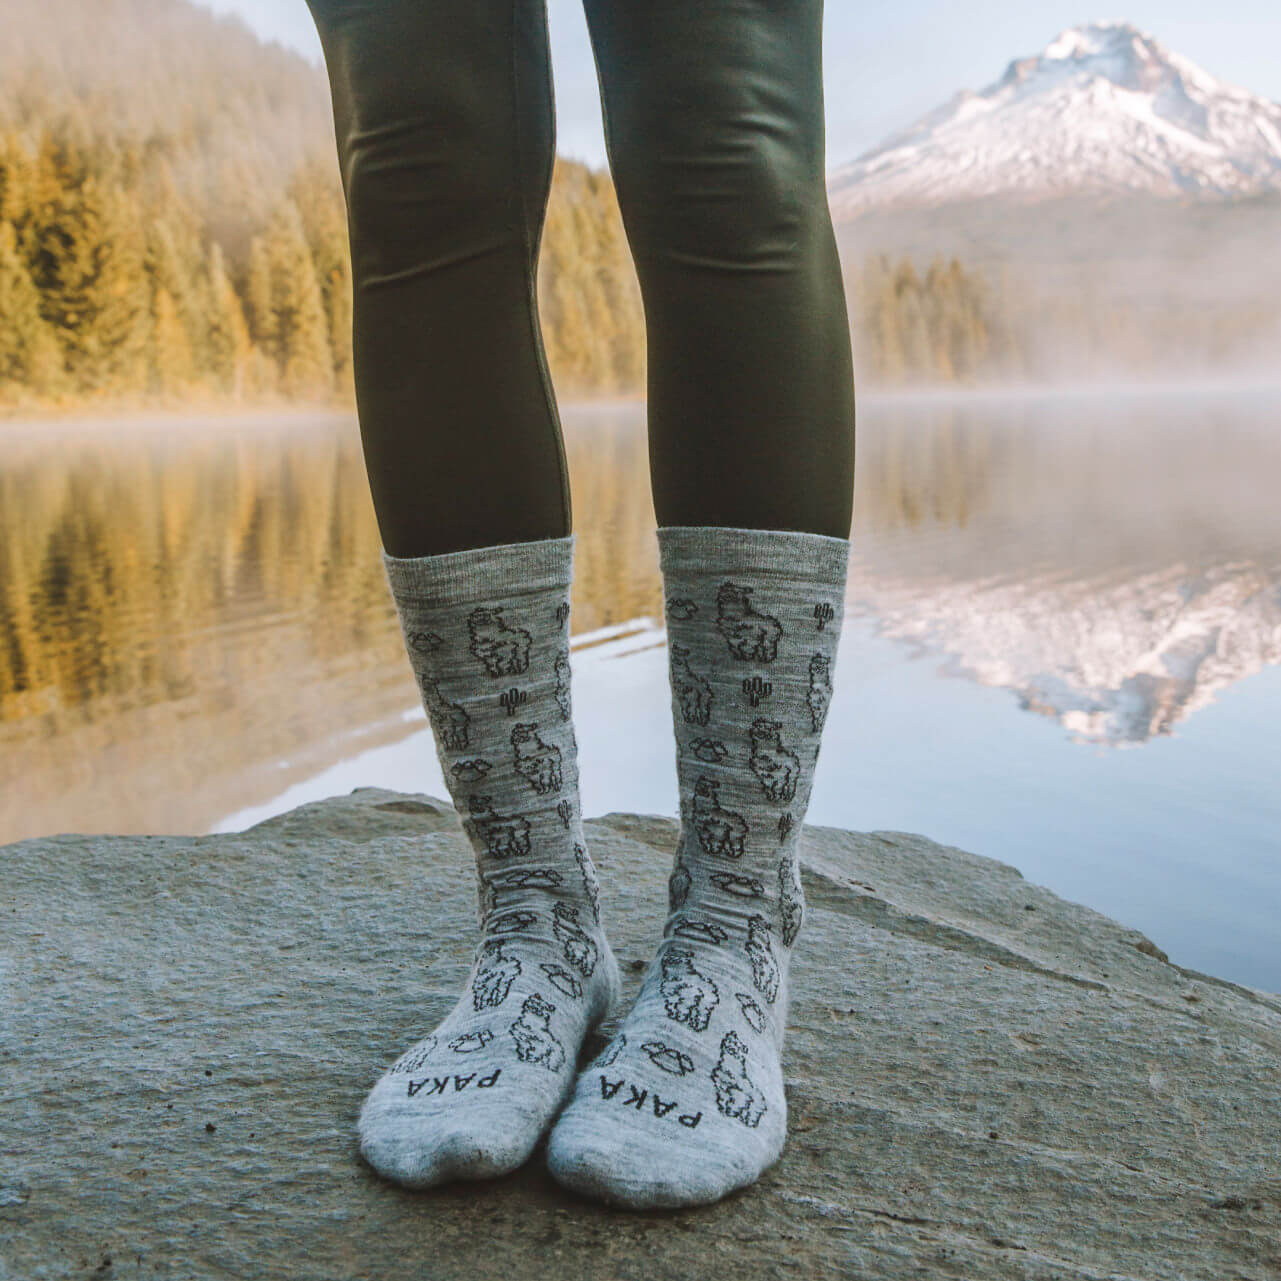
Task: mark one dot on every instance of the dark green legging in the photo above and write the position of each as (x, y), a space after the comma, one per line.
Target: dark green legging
(714, 128)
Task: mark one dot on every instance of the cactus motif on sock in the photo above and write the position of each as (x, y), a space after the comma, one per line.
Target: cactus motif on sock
(487, 899)
(512, 700)
(791, 899)
(678, 886)
(756, 690)
(495, 977)
(562, 684)
(414, 1057)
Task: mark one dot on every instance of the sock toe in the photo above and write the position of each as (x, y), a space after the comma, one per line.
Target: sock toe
(424, 1156)
(621, 1169)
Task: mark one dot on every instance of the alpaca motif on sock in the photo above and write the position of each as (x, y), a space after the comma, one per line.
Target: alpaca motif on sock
(487, 633)
(687, 1103)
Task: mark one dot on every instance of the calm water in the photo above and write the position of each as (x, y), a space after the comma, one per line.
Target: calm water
(1062, 646)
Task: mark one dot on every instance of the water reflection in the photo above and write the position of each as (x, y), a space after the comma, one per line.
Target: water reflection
(193, 615)
(1115, 565)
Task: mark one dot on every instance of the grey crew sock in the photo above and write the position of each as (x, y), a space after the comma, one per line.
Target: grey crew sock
(686, 1103)
(487, 631)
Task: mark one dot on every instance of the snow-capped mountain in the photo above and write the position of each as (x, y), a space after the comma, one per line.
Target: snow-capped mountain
(1103, 108)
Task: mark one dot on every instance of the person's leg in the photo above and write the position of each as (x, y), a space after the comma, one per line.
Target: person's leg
(444, 130)
(715, 127)
(714, 119)
(443, 111)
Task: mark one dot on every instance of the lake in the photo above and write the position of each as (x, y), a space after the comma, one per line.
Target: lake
(1062, 643)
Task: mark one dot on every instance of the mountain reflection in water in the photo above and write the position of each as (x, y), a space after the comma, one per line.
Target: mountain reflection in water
(1114, 569)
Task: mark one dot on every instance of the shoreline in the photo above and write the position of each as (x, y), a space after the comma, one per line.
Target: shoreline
(92, 417)
(243, 413)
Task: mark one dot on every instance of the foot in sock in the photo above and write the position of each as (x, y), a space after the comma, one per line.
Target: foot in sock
(686, 1103)
(487, 631)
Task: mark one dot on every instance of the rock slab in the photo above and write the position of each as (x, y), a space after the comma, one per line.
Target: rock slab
(984, 1080)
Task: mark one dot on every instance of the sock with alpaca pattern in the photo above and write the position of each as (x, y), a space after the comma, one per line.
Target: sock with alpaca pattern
(686, 1103)
(487, 632)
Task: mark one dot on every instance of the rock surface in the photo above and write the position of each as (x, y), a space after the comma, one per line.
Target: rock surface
(985, 1081)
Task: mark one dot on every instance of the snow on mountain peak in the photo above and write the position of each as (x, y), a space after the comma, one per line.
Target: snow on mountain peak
(1093, 38)
(1103, 107)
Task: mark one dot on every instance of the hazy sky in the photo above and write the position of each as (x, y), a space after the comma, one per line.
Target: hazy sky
(888, 63)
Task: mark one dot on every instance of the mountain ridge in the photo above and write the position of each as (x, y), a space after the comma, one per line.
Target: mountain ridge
(1104, 107)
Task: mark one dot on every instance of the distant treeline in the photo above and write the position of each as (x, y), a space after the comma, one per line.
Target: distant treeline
(172, 229)
(113, 287)
(940, 325)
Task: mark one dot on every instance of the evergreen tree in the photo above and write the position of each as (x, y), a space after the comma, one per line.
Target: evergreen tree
(228, 346)
(29, 354)
(171, 360)
(319, 198)
(85, 248)
(289, 319)
(119, 299)
(17, 180)
(175, 259)
(912, 324)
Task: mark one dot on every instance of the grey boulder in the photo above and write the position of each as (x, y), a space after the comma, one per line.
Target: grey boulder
(984, 1080)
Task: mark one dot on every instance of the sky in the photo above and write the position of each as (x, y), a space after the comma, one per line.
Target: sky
(886, 64)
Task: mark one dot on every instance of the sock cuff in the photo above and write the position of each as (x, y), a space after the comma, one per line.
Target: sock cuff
(724, 549)
(483, 573)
